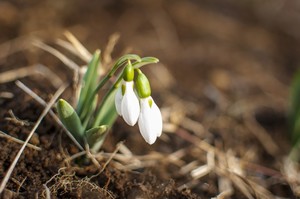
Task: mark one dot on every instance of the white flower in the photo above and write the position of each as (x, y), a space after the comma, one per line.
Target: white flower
(150, 120)
(130, 107)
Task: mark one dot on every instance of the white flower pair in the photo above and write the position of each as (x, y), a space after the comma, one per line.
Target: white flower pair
(139, 107)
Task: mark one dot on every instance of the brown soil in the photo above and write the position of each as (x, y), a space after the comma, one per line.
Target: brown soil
(222, 84)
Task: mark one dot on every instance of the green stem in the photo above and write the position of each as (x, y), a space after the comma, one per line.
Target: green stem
(114, 86)
(117, 65)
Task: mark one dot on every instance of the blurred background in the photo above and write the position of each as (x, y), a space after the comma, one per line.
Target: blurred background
(226, 65)
(220, 58)
(194, 37)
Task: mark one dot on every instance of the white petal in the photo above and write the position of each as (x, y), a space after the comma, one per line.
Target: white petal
(157, 119)
(145, 122)
(130, 105)
(118, 100)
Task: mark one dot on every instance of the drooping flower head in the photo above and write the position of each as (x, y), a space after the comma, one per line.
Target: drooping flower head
(126, 101)
(150, 119)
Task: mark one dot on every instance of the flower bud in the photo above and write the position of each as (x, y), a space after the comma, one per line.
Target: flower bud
(128, 74)
(142, 85)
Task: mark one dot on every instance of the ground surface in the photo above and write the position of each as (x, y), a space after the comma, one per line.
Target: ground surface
(222, 83)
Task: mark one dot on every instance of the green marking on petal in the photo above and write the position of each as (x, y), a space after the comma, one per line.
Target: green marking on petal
(123, 89)
(150, 102)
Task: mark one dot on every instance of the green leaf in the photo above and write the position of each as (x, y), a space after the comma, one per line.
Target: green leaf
(95, 137)
(125, 58)
(88, 113)
(294, 110)
(145, 61)
(89, 84)
(107, 113)
(70, 120)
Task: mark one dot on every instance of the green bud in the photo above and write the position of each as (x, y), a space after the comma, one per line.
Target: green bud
(142, 85)
(128, 74)
(95, 137)
(70, 119)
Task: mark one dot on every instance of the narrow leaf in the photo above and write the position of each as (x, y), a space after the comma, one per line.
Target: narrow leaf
(125, 58)
(107, 114)
(88, 113)
(89, 83)
(145, 61)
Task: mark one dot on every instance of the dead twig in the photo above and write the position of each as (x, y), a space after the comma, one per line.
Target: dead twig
(16, 120)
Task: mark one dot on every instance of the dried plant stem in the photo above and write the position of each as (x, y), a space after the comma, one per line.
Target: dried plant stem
(46, 110)
(15, 45)
(2, 134)
(47, 190)
(12, 75)
(81, 50)
(68, 62)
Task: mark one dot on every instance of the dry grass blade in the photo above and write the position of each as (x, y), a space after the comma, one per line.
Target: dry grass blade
(262, 135)
(108, 161)
(12, 75)
(82, 51)
(49, 74)
(48, 193)
(72, 65)
(14, 46)
(7, 95)
(225, 188)
(292, 175)
(76, 155)
(4, 135)
(15, 74)
(45, 111)
(113, 39)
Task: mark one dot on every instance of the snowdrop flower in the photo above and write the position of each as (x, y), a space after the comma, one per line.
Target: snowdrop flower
(130, 107)
(126, 101)
(150, 119)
